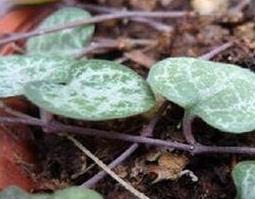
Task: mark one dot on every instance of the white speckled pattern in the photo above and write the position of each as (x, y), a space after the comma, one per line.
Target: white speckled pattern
(99, 90)
(65, 42)
(16, 71)
(244, 178)
(221, 94)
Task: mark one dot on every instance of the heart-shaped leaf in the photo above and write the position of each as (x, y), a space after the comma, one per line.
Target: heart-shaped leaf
(65, 42)
(76, 193)
(244, 178)
(68, 193)
(99, 90)
(223, 95)
(16, 71)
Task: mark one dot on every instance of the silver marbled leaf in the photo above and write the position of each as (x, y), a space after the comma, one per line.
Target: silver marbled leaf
(13, 192)
(244, 179)
(99, 90)
(65, 42)
(16, 71)
(223, 95)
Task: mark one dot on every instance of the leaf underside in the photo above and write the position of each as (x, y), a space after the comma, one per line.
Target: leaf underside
(99, 90)
(244, 178)
(65, 42)
(68, 193)
(16, 71)
(223, 95)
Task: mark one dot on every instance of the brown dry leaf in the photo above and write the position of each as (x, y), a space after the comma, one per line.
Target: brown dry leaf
(159, 165)
(168, 167)
(141, 58)
(138, 171)
(247, 33)
(21, 20)
(121, 171)
(17, 157)
(18, 162)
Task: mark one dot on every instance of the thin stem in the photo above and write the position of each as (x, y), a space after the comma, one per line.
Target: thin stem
(150, 22)
(201, 149)
(216, 51)
(56, 127)
(46, 117)
(99, 176)
(29, 121)
(103, 43)
(13, 112)
(93, 47)
(97, 19)
(194, 149)
(187, 128)
(126, 185)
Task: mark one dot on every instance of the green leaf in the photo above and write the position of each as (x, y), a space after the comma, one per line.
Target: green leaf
(65, 42)
(76, 193)
(14, 192)
(244, 178)
(99, 90)
(68, 193)
(223, 95)
(16, 71)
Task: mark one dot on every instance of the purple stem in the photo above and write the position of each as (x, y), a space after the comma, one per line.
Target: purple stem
(58, 127)
(96, 178)
(216, 51)
(196, 149)
(98, 19)
(187, 128)
(153, 23)
(46, 117)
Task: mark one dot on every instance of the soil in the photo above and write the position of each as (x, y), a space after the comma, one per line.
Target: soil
(65, 164)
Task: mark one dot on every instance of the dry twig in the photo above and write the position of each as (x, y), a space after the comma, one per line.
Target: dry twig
(126, 185)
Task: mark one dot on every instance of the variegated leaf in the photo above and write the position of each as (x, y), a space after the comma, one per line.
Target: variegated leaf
(65, 42)
(223, 95)
(68, 193)
(244, 178)
(99, 90)
(16, 71)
